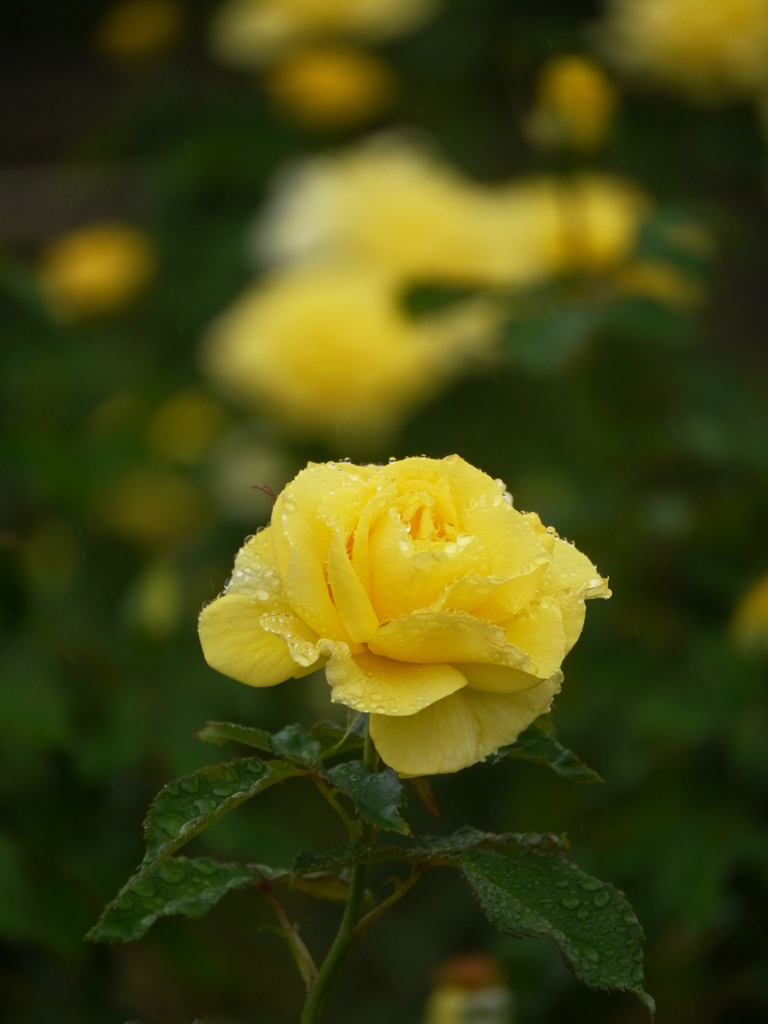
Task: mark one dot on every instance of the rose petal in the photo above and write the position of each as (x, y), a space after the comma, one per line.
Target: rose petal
(459, 730)
(368, 683)
(352, 602)
(497, 678)
(539, 632)
(434, 637)
(570, 570)
(235, 643)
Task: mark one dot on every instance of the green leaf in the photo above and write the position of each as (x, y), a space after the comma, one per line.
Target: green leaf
(427, 850)
(335, 739)
(175, 886)
(229, 732)
(546, 342)
(183, 809)
(295, 741)
(544, 895)
(539, 746)
(323, 885)
(377, 796)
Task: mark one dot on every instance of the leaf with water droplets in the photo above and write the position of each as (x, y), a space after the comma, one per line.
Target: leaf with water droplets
(544, 895)
(229, 732)
(535, 744)
(377, 796)
(174, 886)
(427, 850)
(183, 809)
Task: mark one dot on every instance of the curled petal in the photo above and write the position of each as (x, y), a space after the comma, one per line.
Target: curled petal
(234, 642)
(459, 730)
(352, 602)
(434, 637)
(368, 683)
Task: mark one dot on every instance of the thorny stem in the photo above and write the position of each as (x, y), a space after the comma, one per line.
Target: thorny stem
(347, 933)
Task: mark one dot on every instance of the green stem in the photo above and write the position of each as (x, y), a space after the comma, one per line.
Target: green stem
(351, 826)
(345, 937)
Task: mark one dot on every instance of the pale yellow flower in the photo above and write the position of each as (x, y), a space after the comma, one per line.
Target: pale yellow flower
(469, 987)
(708, 49)
(134, 31)
(749, 625)
(183, 428)
(331, 86)
(575, 104)
(598, 223)
(246, 33)
(392, 204)
(431, 602)
(95, 270)
(328, 349)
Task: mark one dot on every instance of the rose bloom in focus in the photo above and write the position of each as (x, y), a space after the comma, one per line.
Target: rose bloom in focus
(709, 50)
(431, 602)
(575, 104)
(331, 86)
(94, 270)
(246, 33)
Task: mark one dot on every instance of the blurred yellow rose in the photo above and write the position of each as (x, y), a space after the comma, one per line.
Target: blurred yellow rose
(246, 33)
(749, 625)
(184, 426)
(95, 270)
(432, 603)
(708, 49)
(328, 349)
(469, 987)
(331, 86)
(392, 204)
(575, 104)
(134, 31)
(153, 508)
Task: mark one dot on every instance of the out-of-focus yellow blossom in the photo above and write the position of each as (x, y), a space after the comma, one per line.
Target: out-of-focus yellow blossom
(246, 33)
(575, 104)
(153, 508)
(469, 988)
(431, 602)
(331, 86)
(96, 270)
(328, 349)
(185, 426)
(155, 601)
(391, 204)
(135, 31)
(598, 223)
(749, 625)
(708, 49)
(662, 282)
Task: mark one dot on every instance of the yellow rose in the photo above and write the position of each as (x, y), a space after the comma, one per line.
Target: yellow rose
(432, 603)
(245, 33)
(96, 269)
(749, 625)
(329, 350)
(709, 50)
(330, 87)
(136, 31)
(575, 103)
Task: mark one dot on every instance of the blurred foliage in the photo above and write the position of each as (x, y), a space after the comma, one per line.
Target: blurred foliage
(631, 418)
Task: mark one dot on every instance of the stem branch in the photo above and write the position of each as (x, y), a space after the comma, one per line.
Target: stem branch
(347, 934)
